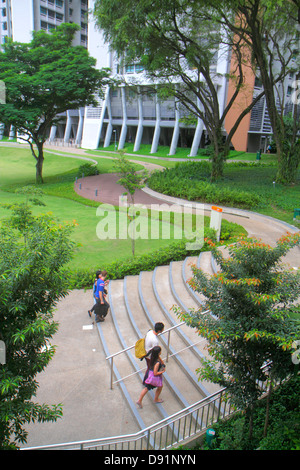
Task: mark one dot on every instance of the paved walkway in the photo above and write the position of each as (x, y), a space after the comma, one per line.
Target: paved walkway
(78, 375)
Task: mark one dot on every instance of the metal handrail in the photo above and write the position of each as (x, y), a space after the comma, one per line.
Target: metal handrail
(111, 356)
(184, 418)
(144, 368)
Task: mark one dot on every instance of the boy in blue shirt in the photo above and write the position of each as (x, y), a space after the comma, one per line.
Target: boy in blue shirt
(101, 306)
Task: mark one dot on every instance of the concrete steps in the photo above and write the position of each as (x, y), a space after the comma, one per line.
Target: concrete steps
(137, 303)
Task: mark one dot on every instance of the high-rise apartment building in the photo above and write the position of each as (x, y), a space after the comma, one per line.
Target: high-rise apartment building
(20, 17)
(123, 116)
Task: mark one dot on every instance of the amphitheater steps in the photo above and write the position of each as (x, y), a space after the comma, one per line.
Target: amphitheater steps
(137, 303)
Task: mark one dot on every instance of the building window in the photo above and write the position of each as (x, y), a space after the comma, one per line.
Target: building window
(129, 68)
(139, 68)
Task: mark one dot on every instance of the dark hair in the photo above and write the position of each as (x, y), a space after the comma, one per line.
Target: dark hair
(155, 352)
(158, 327)
(98, 273)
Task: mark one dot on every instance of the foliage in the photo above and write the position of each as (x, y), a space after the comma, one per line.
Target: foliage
(250, 300)
(44, 78)
(32, 280)
(87, 169)
(283, 432)
(269, 28)
(118, 269)
(178, 43)
(189, 181)
(131, 180)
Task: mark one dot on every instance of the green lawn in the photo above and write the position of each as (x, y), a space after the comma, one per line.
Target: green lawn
(17, 169)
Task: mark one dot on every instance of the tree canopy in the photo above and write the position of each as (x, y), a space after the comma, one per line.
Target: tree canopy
(33, 252)
(44, 78)
(250, 327)
(179, 41)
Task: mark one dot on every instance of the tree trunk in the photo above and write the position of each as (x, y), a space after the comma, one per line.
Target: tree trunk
(219, 157)
(288, 164)
(267, 410)
(39, 164)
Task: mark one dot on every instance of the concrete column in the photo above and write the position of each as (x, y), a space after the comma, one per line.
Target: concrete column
(109, 125)
(124, 124)
(12, 133)
(68, 127)
(157, 127)
(175, 136)
(108, 134)
(197, 135)
(139, 132)
(52, 133)
(80, 127)
(197, 138)
(1, 130)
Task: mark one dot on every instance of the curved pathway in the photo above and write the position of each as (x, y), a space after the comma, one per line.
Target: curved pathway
(268, 229)
(76, 376)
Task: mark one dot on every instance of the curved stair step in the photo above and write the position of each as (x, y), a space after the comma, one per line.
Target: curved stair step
(123, 326)
(162, 286)
(195, 354)
(187, 274)
(186, 303)
(178, 287)
(106, 331)
(151, 308)
(129, 286)
(151, 412)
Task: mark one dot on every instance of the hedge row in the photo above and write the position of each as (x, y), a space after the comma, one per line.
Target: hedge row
(188, 181)
(82, 279)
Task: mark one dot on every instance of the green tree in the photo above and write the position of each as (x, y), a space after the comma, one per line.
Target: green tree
(178, 42)
(131, 180)
(32, 280)
(249, 328)
(270, 30)
(43, 79)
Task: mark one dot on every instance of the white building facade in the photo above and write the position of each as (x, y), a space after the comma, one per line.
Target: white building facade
(124, 115)
(19, 18)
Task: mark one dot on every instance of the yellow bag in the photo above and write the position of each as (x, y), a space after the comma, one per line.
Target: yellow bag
(140, 351)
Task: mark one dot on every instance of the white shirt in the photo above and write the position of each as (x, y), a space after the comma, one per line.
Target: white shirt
(151, 340)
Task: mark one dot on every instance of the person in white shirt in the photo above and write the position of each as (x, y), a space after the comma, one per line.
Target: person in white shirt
(151, 341)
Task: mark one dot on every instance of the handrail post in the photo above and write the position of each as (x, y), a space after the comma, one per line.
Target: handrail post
(219, 408)
(148, 440)
(111, 373)
(169, 334)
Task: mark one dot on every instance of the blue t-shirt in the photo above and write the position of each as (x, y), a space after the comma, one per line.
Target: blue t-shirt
(100, 287)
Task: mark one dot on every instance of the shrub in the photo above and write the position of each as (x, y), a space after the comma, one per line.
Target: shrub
(283, 431)
(189, 181)
(133, 266)
(87, 169)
